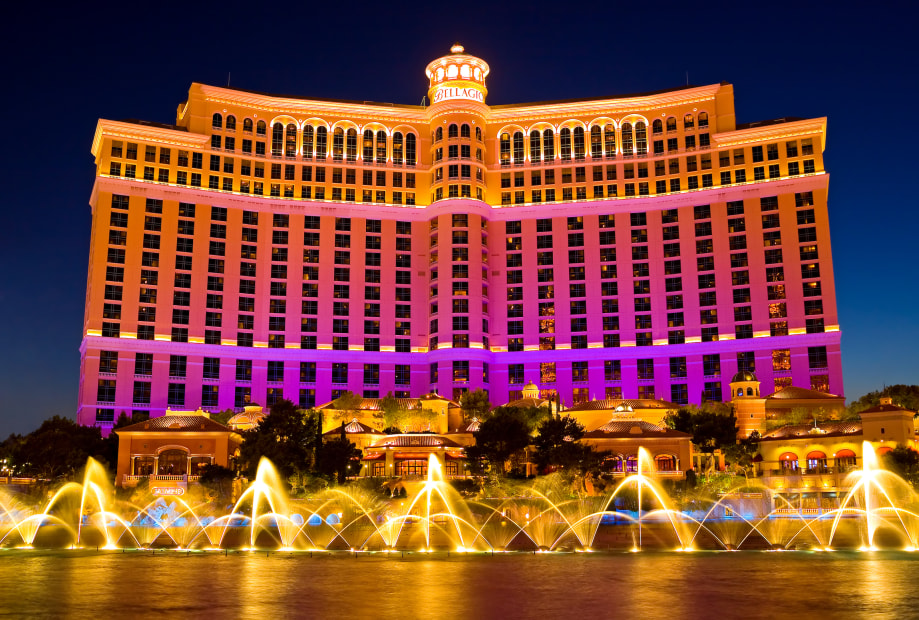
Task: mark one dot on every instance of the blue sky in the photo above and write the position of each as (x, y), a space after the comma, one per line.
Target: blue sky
(851, 63)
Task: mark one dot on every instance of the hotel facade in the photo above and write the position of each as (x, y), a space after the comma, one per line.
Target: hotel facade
(638, 247)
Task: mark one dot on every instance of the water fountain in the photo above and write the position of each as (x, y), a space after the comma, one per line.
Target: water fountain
(879, 510)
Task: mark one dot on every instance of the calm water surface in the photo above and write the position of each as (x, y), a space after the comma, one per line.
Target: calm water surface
(84, 584)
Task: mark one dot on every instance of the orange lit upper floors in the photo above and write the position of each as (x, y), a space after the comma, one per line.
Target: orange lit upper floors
(579, 161)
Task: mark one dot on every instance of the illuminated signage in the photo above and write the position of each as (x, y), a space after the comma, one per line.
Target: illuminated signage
(168, 490)
(446, 93)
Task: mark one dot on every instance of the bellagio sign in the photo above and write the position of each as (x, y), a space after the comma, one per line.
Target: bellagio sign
(445, 93)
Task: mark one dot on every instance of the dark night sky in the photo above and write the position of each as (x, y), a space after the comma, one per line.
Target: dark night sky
(66, 67)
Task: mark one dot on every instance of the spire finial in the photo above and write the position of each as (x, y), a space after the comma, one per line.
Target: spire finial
(457, 48)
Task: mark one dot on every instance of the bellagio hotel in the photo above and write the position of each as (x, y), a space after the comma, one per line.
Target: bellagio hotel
(265, 247)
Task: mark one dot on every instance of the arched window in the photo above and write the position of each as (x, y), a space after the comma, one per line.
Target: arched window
(290, 142)
(641, 138)
(478, 134)
(565, 143)
(535, 151)
(247, 125)
(351, 148)
(665, 462)
(381, 146)
(410, 149)
(397, 152)
(816, 462)
(596, 141)
(439, 134)
(631, 464)
(464, 131)
(750, 391)
(627, 139)
(452, 131)
(657, 126)
(505, 153)
(231, 122)
(671, 123)
(172, 463)
(740, 391)
(217, 122)
(688, 122)
(277, 138)
(579, 143)
(338, 143)
(261, 128)
(609, 136)
(788, 461)
(308, 142)
(518, 147)
(368, 145)
(845, 460)
(703, 119)
(322, 142)
(548, 145)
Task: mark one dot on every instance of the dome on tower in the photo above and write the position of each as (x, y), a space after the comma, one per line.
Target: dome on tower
(744, 375)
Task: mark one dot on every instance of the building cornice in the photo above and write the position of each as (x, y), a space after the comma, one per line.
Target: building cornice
(778, 131)
(311, 107)
(627, 105)
(147, 133)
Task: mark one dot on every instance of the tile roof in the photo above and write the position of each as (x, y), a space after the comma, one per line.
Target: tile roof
(415, 441)
(354, 427)
(823, 429)
(796, 393)
(176, 423)
(373, 404)
(885, 409)
(632, 428)
(613, 404)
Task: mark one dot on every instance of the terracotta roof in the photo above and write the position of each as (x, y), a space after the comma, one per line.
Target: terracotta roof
(527, 402)
(176, 423)
(824, 429)
(373, 404)
(886, 409)
(795, 393)
(415, 441)
(354, 427)
(613, 404)
(632, 428)
(247, 417)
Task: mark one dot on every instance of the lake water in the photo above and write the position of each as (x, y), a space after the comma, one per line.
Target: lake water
(83, 584)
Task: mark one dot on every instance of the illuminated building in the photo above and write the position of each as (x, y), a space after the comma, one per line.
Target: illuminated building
(638, 247)
(173, 449)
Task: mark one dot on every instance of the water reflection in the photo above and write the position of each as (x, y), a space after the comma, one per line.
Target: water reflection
(251, 584)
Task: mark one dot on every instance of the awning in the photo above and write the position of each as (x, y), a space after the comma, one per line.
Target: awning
(373, 457)
(815, 455)
(845, 454)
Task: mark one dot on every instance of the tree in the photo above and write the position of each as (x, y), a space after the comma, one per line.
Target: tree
(286, 437)
(218, 479)
(712, 427)
(499, 437)
(557, 443)
(531, 415)
(338, 457)
(347, 405)
(475, 405)
(906, 396)
(223, 417)
(59, 447)
(904, 462)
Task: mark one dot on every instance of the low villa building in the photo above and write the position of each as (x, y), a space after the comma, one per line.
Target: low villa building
(172, 449)
(433, 413)
(808, 464)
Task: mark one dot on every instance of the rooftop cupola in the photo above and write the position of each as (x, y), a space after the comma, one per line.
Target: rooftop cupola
(457, 76)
